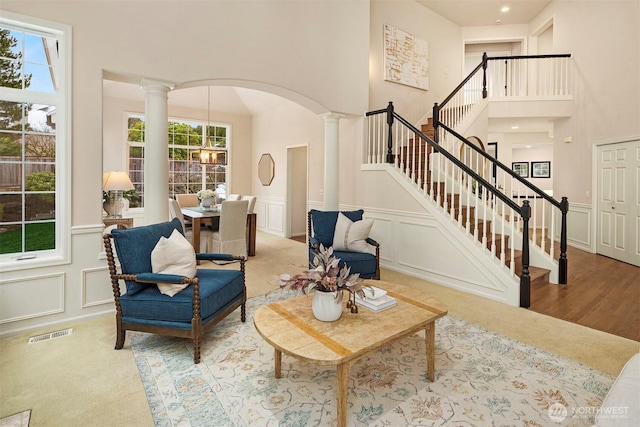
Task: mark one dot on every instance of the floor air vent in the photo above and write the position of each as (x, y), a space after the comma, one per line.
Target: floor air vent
(50, 336)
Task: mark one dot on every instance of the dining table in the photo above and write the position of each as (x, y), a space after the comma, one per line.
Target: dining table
(196, 214)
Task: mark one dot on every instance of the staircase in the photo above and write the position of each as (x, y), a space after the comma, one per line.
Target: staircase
(415, 167)
(468, 187)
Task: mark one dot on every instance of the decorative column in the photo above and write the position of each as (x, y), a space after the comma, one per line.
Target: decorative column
(331, 161)
(156, 148)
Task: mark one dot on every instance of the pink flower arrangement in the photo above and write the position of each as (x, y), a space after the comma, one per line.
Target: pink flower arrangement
(326, 276)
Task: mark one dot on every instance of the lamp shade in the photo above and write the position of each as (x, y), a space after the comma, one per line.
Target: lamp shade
(116, 181)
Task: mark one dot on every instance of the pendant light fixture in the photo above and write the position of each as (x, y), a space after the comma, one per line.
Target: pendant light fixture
(209, 155)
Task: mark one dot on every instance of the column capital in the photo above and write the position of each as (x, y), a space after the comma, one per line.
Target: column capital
(332, 117)
(156, 84)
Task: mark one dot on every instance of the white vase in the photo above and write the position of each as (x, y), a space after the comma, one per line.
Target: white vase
(327, 306)
(207, 202)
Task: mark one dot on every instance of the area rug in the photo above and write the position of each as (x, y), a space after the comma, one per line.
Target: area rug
(482, 378)
(21, 419)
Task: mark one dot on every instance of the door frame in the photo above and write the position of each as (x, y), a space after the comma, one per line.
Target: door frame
(289, 202)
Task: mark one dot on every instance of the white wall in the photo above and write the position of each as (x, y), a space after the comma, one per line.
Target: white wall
(603, 38)
(445, 60)
(536, 153)
(279, 125)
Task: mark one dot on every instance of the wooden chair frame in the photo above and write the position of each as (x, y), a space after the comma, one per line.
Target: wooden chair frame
(197, 328)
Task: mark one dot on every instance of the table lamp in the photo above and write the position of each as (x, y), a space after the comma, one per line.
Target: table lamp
(116, 182)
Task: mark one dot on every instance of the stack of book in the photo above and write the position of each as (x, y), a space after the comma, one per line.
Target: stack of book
(376, 300)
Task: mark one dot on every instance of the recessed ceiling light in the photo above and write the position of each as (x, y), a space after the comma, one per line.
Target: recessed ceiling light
(498, 21)
(504, 9)
(515, 127)
(527, 146)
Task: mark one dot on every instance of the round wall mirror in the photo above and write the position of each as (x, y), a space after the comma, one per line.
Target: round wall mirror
(266, 169)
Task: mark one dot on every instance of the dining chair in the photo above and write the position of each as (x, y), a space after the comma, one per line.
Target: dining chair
(187, 200)
(175, 211)
(233, 197)
(252, 203)
(231, 237)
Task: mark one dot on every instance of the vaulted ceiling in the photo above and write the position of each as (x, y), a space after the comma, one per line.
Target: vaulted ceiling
(249, 102)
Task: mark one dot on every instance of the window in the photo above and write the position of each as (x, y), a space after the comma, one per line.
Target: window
(186, 174)
(34, 70)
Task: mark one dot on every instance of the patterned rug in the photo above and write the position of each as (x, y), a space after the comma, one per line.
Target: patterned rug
(482, 378)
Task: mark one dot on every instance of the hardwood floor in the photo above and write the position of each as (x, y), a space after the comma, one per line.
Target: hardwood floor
(601, 293)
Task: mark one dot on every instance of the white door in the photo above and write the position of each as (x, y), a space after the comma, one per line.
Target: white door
(619, 201)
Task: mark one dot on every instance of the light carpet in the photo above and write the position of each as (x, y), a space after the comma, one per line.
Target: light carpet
(482, 378)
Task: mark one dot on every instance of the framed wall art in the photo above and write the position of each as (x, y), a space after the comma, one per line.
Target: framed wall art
(540, 169)
(521, 169)
(406, 58)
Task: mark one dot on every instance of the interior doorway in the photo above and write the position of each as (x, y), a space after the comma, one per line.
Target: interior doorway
(296, 202)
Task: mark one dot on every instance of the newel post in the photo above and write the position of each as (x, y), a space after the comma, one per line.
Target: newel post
(390, 158)
(525, 279)
(484, 74)
(562, 261)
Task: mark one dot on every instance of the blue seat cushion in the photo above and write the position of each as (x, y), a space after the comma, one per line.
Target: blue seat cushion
(218, 288)
(324, 223)
(359, 262)
(134, 247)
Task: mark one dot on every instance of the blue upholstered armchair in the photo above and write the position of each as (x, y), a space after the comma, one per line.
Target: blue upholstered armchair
(321, 227)
(208, 297)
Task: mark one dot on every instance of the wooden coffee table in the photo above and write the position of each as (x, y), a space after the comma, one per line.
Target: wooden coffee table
(289, 326)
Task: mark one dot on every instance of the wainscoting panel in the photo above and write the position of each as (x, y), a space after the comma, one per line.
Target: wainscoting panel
(416, 244)
(579, 227)
(424, 247)
(270, 213)
(275, 217)
(96, 287)
(261, 214)
(30, 297)
(382, 231)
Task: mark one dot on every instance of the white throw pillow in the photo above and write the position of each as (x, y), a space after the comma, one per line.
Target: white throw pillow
(351, 236)
(174, 255)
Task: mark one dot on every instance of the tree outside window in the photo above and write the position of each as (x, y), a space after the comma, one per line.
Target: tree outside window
(186, 174)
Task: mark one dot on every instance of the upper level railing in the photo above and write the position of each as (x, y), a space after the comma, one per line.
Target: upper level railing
(538, 76)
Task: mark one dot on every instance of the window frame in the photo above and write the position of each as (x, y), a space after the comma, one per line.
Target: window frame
(62, 100)
(205, 126)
